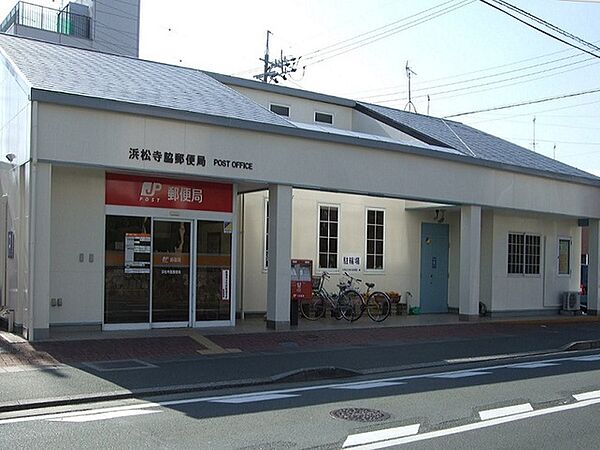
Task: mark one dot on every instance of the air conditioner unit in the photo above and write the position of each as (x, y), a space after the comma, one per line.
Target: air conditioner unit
(570, 301)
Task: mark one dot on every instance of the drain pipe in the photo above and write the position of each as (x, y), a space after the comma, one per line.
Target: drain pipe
(241, 254)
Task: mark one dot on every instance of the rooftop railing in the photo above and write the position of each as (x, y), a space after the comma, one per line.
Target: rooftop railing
(48, 19)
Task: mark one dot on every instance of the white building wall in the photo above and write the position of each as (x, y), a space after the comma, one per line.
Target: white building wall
(402, 243)
(536, 292)
(77, 228)
(301, 110)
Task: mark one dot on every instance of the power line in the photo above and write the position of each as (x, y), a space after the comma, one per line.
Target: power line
(539, 29)
(530, 102)
(377, 37)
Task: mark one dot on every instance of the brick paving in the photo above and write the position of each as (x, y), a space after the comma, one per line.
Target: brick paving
(260, 342)
(66, 352)
(154, 348)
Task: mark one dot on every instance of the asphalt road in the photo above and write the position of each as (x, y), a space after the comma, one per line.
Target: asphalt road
(549, 402)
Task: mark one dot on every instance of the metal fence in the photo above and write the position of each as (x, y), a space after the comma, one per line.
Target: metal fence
(48, 19)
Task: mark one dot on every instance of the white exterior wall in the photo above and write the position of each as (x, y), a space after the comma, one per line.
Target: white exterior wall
(77, 227)
(535, 292)
(301, 110)
(116, 26)
(15, 137)
(401, 252)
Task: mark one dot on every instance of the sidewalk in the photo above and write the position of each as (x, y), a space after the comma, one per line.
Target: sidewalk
(133, 363)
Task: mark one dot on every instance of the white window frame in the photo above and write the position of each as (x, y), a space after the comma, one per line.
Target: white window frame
(558, 241)
(366, 269)
(265, 262)
(281, 105)
(523, 273)
(324, 123)
(319, 269)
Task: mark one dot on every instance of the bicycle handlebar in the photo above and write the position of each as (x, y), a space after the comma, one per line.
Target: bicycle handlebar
(352, 278)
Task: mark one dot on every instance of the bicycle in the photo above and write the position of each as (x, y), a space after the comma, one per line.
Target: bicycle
(377, 303)
(340, 303)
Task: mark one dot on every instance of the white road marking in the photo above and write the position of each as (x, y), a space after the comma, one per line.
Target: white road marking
(587, 395)
(476, 425)
(586, 358)
(463, 374)
(455, 374)
(369, 385)
(252, 398)
(104, 416)
(532, 365)
(503, 412)
(380, 435)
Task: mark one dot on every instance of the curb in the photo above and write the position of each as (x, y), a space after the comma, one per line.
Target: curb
(300, 375)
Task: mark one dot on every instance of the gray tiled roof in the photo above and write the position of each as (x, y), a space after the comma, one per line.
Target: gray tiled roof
(475, 143)
(88, 73)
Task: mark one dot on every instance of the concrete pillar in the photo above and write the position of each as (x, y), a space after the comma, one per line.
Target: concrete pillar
(39, 250)
(593, 289)
(470, 256)
(280, 251)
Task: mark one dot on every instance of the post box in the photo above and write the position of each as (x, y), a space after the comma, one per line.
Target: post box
(301, 286)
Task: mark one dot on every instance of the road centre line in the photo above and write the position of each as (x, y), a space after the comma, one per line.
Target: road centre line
(104, 416)
(463, 374)
(255, 398)
(506, 411)
(380, 435)
(369, 385)
(476, 425)
(588, 358)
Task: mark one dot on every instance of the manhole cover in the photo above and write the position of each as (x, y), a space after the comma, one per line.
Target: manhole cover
(360, 414)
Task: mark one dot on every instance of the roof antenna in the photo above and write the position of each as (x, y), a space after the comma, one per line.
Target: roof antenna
(428, 101)
(554, 151)
(409, 72)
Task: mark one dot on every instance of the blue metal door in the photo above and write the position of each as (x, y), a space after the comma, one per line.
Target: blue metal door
(434, 268)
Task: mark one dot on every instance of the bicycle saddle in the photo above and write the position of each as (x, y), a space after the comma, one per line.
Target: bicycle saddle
(370, 285)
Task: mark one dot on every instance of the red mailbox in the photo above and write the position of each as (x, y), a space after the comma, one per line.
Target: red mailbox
(301, 279)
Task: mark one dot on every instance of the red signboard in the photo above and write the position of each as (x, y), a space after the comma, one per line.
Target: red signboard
(170, 193)
(301, 279)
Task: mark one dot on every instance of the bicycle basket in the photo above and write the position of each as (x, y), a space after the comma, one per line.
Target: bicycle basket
(317, 283)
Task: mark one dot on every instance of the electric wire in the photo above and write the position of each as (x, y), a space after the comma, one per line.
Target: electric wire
(529, 102)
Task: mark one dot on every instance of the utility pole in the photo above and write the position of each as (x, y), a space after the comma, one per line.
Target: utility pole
(280, 68)
(428, 101)
(266, 58)
(554, 152)
(409, 72)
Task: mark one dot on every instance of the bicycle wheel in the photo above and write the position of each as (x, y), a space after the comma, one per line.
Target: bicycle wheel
(312, 308)
(353, 305)
(379, 306)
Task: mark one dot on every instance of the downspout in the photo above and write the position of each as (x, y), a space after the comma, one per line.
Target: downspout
(241, 253)
(32, 216)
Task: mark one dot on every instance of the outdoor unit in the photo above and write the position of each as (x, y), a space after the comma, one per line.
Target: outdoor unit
(570, 301)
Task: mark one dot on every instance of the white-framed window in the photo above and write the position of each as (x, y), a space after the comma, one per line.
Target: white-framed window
(564, 256)
(266, 235)
(281, 110)
(524, 254)
(328, 237)
(375, 239)
(323, 117)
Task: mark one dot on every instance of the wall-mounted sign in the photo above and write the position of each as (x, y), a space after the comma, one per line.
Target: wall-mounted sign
(128, 190)
(350, 263)
(137, 253)
(184, 159)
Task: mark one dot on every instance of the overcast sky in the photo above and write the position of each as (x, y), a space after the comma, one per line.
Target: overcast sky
(459, 50)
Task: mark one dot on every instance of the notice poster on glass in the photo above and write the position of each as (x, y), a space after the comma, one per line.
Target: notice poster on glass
(137, 253)
(225, 284)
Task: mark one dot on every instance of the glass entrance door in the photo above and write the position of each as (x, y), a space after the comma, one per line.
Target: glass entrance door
(213, 271)
(171, 272)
